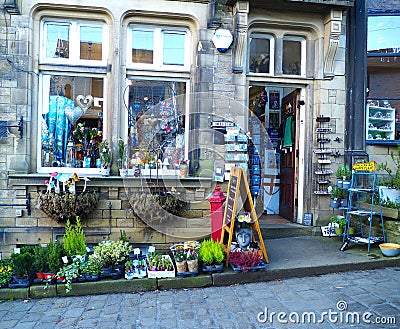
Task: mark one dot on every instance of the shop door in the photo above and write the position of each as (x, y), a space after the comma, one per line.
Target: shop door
(288, 156)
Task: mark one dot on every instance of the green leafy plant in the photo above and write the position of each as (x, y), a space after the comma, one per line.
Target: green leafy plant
(55, 254)
(74, 239)
(392, 171)
(218, 252)
(22, 262)
(40, 259)
(343, 172)
(112, 253)
(70, 272)
(339, 193)
(211, 252)
(121, 153)
(105, 154)
(339, 220)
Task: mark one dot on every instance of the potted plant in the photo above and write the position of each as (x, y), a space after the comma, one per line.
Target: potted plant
(40, 261)
(212, 254)
(180, 261)
(70, 272)
(23, 261)
(389, 188)
(341, 221)
(62, 205)
(113, 255)
(245, 260)
(74, 239)
(121, 155)
(346, 177)
(105, 157)
(55, 252)
(6, 272)
(192, 259)
(159, 266)
(335, 196)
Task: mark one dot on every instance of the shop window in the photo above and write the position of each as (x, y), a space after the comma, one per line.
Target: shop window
(383, 79)
(158, 48)
(72, 100)
(71, 123)
(73, 42)
(261, 53)
(156, 123)
(293, 59)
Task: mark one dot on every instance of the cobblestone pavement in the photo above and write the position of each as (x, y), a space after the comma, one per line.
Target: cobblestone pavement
(340, 299)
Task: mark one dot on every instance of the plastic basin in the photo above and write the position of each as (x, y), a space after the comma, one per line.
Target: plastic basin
(390, 249)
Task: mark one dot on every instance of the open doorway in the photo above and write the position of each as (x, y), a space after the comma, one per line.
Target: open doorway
(276, 108)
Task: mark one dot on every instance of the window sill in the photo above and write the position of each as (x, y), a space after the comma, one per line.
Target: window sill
(118, 181)
(382, 142)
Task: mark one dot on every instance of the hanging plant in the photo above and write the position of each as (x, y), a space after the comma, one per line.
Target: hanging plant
(67, 206)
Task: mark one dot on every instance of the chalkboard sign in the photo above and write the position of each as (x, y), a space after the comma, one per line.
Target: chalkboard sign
(238, 186)
(232, 200)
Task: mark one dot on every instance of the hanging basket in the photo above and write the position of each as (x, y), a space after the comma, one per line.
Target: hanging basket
(66, 206)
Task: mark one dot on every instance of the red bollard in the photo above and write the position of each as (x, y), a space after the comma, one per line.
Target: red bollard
(216, 213)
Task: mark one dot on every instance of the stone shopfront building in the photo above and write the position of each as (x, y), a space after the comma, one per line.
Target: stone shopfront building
(257, 84)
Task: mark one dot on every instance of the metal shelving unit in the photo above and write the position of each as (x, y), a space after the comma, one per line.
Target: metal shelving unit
(364, 184)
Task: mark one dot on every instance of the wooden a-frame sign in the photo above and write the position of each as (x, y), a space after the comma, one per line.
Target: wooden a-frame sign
(238, 186)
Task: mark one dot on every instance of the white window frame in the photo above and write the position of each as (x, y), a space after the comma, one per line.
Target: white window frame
(303, 54)
(185, 112)
(271, 50)
(158, 48)
(43, 103)
(74, 42)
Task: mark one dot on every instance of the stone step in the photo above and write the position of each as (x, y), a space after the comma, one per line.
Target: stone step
(277, 231)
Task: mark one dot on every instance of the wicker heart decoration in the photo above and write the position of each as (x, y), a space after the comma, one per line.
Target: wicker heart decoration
(73, 114)
(84, 102)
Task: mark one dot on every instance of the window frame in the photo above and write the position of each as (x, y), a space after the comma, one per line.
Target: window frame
(380, 97)
(158, 48)
(43, 100)
(74, 42)
(271, 38)
(185, 112)
(303, 54)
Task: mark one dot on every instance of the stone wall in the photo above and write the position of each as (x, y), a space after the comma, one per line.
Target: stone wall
(112, 214)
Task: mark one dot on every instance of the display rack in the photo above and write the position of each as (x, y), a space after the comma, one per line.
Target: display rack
(364, 185)
(255, 156)
(323, 166)
(380, 122)
(236, 150)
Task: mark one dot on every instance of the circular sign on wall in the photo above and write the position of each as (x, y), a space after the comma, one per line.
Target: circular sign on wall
(222, 40)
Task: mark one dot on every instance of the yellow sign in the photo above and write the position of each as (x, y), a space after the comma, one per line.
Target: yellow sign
(365, 166)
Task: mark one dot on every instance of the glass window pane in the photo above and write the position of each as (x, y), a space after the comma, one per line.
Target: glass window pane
(291, 63)
(259, 55)
(383, 81)
(57, 41)
(142, 46)
(91, 46)
(156, 122)
(71, 125)
(383, 34)
(174, 49)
